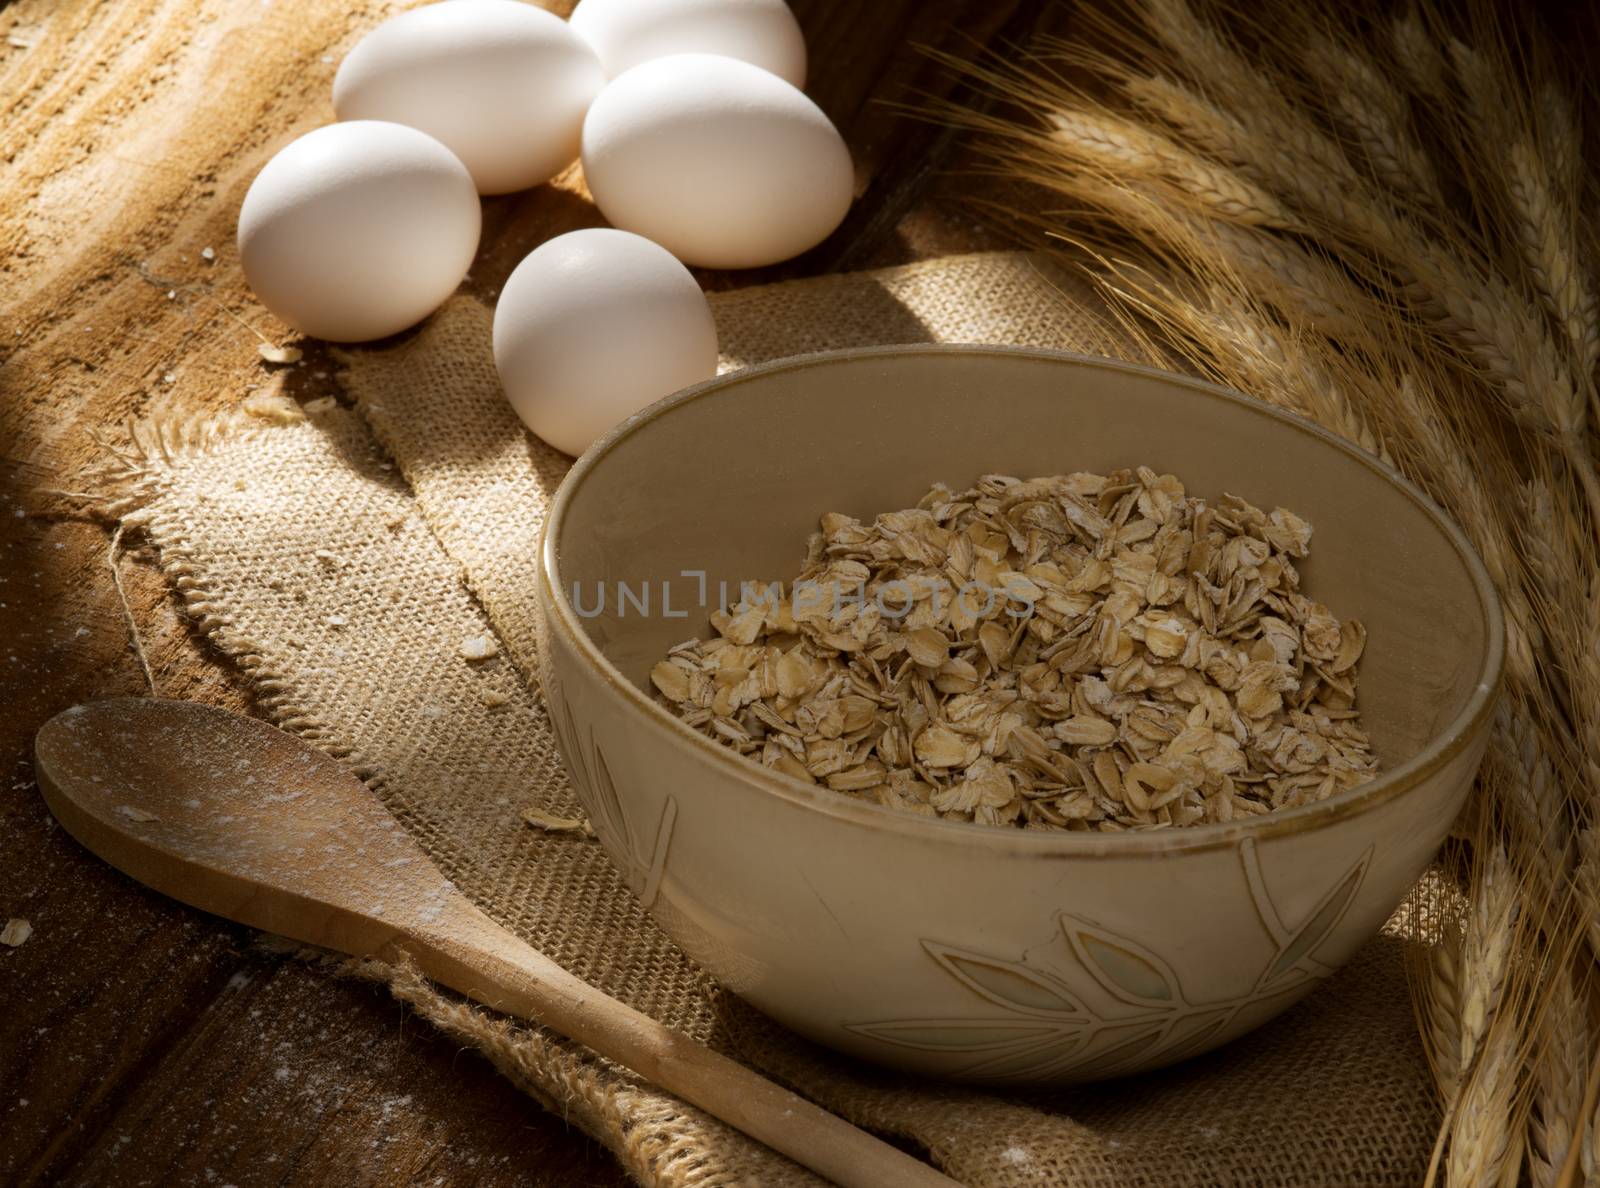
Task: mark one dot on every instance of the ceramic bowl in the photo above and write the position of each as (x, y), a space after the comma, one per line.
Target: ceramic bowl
(978, 953)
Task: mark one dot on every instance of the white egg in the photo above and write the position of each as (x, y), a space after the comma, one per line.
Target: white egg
(722, 163)
(627, 32)
(356, 231)
(594, 325)
(500, 83)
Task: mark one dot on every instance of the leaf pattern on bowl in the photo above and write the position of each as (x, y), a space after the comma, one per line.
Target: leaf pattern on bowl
(642, 861)
(1008, 983)
(1128, 970)
(1050, 1030)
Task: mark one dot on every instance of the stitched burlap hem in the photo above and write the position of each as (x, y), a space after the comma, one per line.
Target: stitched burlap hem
(340, 557)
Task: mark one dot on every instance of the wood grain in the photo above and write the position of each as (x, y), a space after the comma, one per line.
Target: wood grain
(141, 1042)
(152, 786)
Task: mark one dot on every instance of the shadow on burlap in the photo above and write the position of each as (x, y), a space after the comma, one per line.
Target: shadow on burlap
(342, 557)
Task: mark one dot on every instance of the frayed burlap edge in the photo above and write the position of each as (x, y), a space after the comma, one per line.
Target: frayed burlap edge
(658, 1140)
(643, 1130)
(130, 479)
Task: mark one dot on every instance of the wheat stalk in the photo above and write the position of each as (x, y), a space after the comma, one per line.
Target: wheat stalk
(1437, 997)
(1486, 946)
(1561, 1071)
(1377, 115)
(1280, 221)
(1486, 1139)
(1563, 587)
(1121, 144)
(1537, 806)
(1586, 1159)
(1550, 254)
(1588, 880)
(1508, 130)
(1272, 147)
(1302, 284)
(1458, 295)
(1415, 49)
(1474, 1005)
(1244, 345)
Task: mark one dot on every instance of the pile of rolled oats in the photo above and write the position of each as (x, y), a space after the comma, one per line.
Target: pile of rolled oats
(1076, 652)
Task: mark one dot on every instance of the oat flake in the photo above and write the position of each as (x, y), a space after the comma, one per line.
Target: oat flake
(479, 647)
(1078, 652)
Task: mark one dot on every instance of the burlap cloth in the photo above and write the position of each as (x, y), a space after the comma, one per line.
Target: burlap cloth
(340, 556)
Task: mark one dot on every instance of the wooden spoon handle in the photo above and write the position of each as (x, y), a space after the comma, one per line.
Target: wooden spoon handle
(489, 964)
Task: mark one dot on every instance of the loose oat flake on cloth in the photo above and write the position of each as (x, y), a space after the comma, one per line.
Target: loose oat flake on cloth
(430, 495)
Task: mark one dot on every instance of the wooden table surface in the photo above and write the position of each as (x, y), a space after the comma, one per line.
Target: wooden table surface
(142, 1042)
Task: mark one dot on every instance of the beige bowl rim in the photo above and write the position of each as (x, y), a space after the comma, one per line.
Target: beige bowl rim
(1450, 742)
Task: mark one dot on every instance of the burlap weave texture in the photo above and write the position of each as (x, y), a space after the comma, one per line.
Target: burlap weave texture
(342, 559)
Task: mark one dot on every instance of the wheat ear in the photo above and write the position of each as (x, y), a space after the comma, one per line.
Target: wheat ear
(1121, 144)
(1486, 1136)
(1561, 1068)
(1416, 51)
(1551, 256)
(1438, 1002)
(1486, 945)
(1377, 115)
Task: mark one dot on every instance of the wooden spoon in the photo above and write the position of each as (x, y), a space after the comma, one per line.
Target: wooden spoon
(236, 817)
